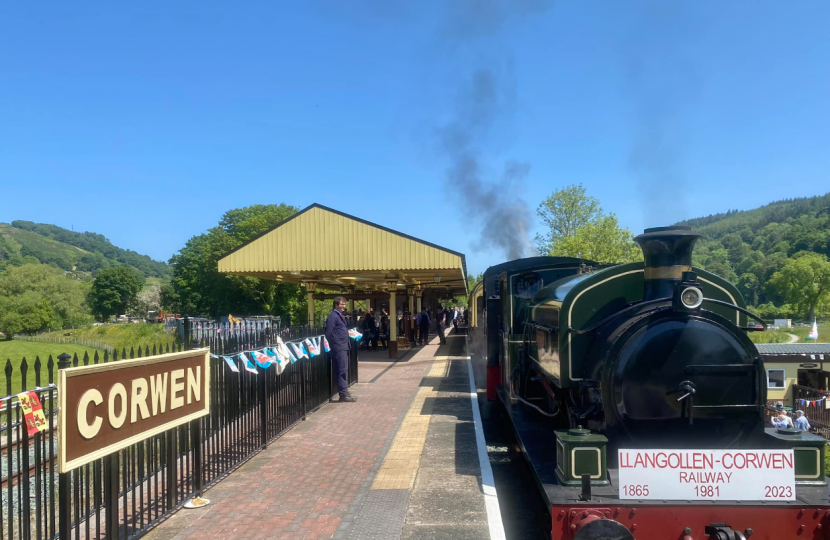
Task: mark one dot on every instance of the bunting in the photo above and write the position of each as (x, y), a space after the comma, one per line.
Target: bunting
(311, 346)
(297, 350)
(280, 354)
(262, 359)
(807, 403)
(231, 364)
(247, 364)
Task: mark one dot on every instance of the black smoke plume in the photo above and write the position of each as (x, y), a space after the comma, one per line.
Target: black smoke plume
(495, 206)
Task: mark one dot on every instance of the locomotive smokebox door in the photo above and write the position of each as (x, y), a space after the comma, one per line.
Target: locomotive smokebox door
(580, 451)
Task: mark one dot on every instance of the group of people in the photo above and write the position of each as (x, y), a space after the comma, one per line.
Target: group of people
(337, 334)
(782, 420)
(374, 329)
(446, 317)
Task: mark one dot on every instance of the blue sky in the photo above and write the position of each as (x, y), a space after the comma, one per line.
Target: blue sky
(146, 121)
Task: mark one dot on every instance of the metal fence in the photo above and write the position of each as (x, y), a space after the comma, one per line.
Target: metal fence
(121, 495)
(91, 343)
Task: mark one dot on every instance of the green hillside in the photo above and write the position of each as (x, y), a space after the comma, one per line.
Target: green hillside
(27, 242)
(748, 247)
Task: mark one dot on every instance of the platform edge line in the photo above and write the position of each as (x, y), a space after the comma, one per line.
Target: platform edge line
(488, 484)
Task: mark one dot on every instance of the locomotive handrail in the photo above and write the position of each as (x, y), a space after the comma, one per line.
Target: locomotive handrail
(617, 314)
(668, 299)
(742, 310)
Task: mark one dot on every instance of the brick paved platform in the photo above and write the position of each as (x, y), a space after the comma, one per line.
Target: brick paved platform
(402, 462)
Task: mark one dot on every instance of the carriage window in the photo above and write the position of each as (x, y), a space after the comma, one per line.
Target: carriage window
(776, 378)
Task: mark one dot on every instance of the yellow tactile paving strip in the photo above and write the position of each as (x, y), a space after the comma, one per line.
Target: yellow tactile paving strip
(401, 463)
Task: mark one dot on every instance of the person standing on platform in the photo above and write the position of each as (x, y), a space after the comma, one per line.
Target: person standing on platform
(337, 334)
(422, 320)
(443, 321)
(455, 316)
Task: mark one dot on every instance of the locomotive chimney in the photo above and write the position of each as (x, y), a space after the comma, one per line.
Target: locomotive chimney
(668, 253)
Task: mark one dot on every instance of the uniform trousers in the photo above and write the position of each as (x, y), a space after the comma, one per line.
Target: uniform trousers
(340, 365)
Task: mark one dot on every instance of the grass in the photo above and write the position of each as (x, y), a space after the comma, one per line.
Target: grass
(17, 350)
(769, 336)
(783, 336)
(123, 336)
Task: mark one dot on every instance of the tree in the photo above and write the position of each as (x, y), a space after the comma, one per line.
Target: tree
(804, 281)
(565, 212)
(148, 299)
(36, 296)
(197, 287)
(748, 285)
(577, 227)
(11, 324)
(601, 240)
(113, 290)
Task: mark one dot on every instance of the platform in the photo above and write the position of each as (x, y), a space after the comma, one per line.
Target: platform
(403, 462)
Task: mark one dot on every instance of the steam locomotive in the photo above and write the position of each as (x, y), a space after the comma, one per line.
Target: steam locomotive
(598, 363)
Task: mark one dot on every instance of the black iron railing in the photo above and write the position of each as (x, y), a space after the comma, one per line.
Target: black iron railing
(121, 495)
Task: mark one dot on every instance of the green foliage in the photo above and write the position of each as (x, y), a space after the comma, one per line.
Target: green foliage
(804, 281)
(87, 251)
(34, 297)
(113, 290)
(578, 227)
(759, 242)
(197, 287)
(564, 212)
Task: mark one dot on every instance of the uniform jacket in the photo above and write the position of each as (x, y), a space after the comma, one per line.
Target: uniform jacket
(336, 331)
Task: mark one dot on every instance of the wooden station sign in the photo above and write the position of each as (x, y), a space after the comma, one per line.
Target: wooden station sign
(107, 407)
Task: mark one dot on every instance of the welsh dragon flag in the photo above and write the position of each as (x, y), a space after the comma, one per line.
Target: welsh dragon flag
(813, 335)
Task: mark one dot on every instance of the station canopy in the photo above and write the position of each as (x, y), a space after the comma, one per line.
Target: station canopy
(323, 248)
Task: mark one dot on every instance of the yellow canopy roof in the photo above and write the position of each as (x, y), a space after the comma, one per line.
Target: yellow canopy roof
(333, 249)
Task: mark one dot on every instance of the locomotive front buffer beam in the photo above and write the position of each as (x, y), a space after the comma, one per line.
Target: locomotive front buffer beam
(689, 522)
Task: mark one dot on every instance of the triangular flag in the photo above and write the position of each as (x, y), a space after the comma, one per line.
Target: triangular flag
(326, 344)
(269, 351)
(311, 347)
(262, 359)
(298, 350)
(247, 364)
(231, 364)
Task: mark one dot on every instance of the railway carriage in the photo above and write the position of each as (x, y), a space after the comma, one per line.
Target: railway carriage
(642, 369)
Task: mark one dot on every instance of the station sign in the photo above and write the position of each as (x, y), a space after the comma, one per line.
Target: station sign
(107, 407)
(708, 475)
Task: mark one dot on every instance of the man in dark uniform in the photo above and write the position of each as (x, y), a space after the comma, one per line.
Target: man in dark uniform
(423, 325)
(337, 335)
(443, 322)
